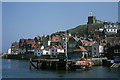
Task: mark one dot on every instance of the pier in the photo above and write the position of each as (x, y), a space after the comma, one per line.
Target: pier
(60, 64)
(54, 64)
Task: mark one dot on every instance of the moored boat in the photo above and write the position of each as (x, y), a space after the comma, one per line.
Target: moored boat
(82, 64)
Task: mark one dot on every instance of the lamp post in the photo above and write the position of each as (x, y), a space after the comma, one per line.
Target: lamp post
(66, 51)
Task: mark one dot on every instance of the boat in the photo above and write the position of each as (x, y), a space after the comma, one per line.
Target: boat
(82, 64)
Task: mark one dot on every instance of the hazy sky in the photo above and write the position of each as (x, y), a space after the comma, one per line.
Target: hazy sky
(30, 19)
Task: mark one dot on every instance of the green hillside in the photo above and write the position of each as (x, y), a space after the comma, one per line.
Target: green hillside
(79, 30)
(82, 29)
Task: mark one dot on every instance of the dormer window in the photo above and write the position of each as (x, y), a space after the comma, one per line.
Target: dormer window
(117, 51)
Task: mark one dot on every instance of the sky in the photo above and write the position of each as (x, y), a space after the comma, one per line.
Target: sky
(30, 19)
(119, 12)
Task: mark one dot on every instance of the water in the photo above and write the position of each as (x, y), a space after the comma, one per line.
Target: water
(20, 69)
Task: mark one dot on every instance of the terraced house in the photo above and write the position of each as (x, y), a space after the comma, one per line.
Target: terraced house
(92, 48)
(26, 46)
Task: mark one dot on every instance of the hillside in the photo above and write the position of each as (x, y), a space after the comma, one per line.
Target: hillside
(82, 29)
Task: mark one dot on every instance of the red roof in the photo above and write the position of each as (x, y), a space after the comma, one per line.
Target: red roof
(88, 43)
(82, 49)
(28, 41)
(55, 39)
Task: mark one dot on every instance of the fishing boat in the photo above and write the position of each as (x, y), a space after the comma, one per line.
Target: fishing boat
(82, 64)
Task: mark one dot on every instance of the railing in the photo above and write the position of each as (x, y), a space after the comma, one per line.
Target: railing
(115, 65)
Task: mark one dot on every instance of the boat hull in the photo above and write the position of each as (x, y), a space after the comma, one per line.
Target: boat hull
(81, 67)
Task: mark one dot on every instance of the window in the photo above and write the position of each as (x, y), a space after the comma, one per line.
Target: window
(46, 52)
(94, 53)
(52, 50)
(41, 52)
(52, 53)
(117, 51)
(94, 48)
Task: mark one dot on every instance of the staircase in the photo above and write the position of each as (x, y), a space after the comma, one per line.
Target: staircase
(115, 65)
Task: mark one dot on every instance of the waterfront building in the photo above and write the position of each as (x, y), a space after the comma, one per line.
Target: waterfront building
(14, 48)
(55, 40)
(101, 49)
(92, 48)
(113, 40)
(78, 53)
(9, 51)
(60, 49)
(108, 42)
(46, 51)
(73, 43)
(38, 40)
(39, 51)
(45, 40)
(26, 46)
(55, 50)
(113, 53)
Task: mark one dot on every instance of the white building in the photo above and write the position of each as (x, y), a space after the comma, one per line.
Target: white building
(49, 43)
(9, 51)
(22, 50)
(101, 29)
(55, 50)
(52, 51)
(101, 49)
(110, 28)
(46, 52)
(39, 51)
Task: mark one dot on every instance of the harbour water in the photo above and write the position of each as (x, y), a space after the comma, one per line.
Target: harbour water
(20, 69)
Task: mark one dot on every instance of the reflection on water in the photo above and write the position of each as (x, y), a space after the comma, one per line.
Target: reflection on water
(20, 69)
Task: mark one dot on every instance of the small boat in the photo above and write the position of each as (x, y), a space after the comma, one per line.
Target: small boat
(82, 64)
